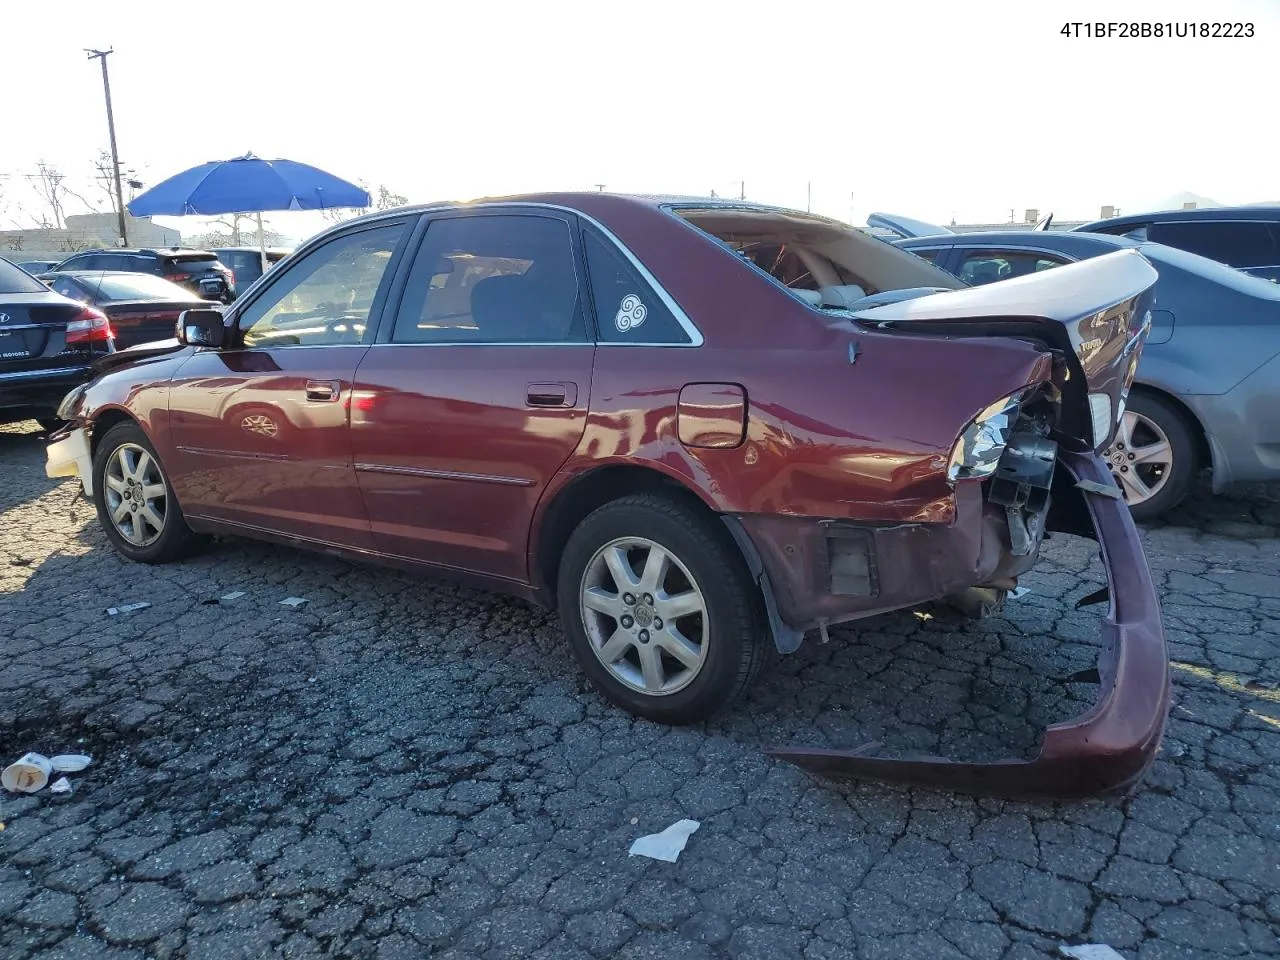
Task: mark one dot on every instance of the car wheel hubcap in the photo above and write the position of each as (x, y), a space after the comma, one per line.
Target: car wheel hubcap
(1140, 458)
(136, 495)
(645, 616)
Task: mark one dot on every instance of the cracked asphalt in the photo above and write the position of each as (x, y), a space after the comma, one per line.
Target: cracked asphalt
(405, 768)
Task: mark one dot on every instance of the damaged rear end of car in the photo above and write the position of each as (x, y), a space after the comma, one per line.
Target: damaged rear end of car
(1025, 465)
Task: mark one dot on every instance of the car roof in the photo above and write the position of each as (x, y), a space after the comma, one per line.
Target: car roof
(96, 274)
(158, 251)
(582, 200)
(284, 251)
(1066, 241)
(1257, 212)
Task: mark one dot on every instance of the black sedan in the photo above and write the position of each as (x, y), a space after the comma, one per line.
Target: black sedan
(47, 342)
(141, 308)
(1207, 392)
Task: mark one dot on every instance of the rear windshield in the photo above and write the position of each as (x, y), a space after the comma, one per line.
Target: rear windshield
(14, 280)
(135, 286)
(1214, 270)
(197, 261)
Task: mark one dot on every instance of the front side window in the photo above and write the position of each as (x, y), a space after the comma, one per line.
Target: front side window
(627, 309)
(326, 297)
(493, 279)
(987, 266)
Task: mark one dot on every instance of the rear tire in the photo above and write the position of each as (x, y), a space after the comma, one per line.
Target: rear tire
(1153, 457)
(660, 609)
(136, 504)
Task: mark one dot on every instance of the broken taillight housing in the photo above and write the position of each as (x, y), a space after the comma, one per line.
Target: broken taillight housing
(980, 446)
(89, 326)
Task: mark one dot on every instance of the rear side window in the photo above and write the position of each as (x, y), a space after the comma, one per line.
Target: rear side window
(239, 261)
(627, 309)
(1235, 243)
(493, 279)
(14, 280)
(988, 266)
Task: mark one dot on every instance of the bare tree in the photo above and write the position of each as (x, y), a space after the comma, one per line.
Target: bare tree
(241, 229)
(386, 199)
(52, 190)
(219, 238)
(383, 199)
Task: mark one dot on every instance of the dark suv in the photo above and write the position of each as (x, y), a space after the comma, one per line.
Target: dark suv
(1247, 238)
(246, 262)
(198, 270)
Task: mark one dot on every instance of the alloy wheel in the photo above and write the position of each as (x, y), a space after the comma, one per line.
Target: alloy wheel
(1140, 457)
(136, 494)
(645, 616)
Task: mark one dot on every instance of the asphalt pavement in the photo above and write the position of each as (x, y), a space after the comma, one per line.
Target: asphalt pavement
(400, 767)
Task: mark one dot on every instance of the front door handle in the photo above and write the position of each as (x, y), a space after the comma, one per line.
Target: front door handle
(324, 391)
(552, 394)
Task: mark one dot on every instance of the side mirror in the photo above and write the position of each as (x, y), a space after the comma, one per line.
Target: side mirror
(201, 328)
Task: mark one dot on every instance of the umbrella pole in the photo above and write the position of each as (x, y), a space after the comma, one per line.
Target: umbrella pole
(262, 244)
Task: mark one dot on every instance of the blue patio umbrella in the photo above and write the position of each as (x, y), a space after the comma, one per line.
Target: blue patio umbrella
(248, 184)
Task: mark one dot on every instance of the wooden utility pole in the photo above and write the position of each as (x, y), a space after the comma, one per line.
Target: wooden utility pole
(101, 57)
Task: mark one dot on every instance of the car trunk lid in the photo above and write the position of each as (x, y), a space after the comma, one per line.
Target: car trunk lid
(142, 321)
(33, 333)
(1094, 315)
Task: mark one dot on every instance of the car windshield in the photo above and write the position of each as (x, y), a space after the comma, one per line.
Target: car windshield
(15, 280)
(134, 286)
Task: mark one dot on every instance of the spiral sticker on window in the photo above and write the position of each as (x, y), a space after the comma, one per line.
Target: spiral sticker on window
(631, 313)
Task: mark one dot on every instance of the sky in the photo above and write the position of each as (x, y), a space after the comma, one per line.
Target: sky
(937, 109)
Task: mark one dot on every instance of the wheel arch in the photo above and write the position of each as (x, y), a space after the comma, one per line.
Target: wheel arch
(575, 500)
(572, 501)
(1200, 436)
(105, 419)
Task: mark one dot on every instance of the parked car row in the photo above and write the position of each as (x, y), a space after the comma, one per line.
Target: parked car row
(1207, 393)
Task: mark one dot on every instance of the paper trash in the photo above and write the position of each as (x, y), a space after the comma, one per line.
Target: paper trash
(233, 595)
(69, 762)
(127, 608)
(1090, 951)
(293, 601)
(27, 774)
(61, 785)
(667, 844)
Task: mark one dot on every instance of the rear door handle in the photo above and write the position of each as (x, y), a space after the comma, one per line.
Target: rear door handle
(324, 391)
(552, 394)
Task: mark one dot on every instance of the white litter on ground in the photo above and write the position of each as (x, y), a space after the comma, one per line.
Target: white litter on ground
(1090, 951)
(1018, 592)
(127, 608)
(233, 595)
(61, 785)
(69, 762)
(28, 774)
(666, 845)
(293, 601)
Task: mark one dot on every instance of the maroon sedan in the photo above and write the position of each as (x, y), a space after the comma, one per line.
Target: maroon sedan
(699, 428)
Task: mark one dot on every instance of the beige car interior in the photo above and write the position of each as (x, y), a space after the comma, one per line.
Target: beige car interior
(828, 264)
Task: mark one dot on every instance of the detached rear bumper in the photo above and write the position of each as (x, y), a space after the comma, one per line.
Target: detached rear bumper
(1108, 748)
(69, 456)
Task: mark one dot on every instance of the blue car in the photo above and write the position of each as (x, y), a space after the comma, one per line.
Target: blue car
(1207, 394)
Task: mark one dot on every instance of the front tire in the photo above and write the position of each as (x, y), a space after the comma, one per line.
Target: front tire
(136, 505)
(1153, 456)
(660, 610)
